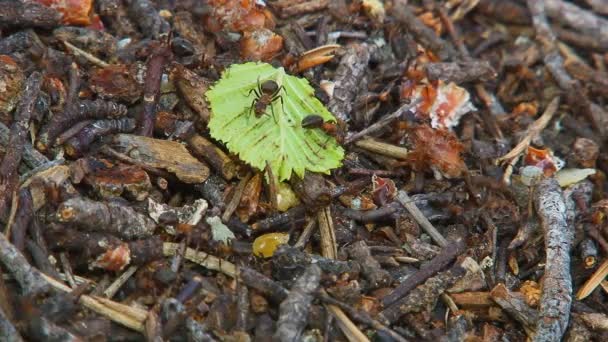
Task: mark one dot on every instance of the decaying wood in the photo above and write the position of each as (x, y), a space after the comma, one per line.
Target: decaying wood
(557, 282)
(163, 154)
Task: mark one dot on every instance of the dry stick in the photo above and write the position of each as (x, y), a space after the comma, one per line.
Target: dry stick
(555, 63)
(306, 234)
(111, 290)
(421, 32)
(329, 250)
(593, 282)
(31, 156)
(29, 278)
(154, 72)
(349, 328)
(11, 215)
(428, 227)
(236, 198)
(293, 311)
(67, 269)
(534, 130)
(8, 332)
(206, 260)
(383, 122)
(423, 297)
(359, 316)
(89, 57)
(127, 316)
(125, 158)
(516, 307)
(328, 235)
(438, 263)
(348, 78)
(557, 282)
(578, 18)
(9, 177)
(272, 188)
(382, 148)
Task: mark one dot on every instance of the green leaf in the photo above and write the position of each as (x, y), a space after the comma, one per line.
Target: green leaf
(283, 143)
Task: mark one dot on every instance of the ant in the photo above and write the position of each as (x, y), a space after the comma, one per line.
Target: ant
(265, 94)
(316, 121)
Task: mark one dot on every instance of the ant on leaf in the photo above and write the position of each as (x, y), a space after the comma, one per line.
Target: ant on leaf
(265, 94)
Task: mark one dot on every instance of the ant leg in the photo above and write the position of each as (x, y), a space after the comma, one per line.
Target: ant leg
(255, 92)
(274, 117)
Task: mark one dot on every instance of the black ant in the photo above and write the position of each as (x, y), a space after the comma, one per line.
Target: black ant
(312, 121)
(265, 94)
(316, 121)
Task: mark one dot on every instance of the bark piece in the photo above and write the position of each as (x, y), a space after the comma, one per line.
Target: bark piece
(557, 284)
(27, 14)
(424, 297)
(163, 154)
(9, 177)
(370, 268)
(112, 217)
(294, 309)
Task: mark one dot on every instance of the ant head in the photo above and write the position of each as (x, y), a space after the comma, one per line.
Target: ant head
(312, 121)
(269, 87)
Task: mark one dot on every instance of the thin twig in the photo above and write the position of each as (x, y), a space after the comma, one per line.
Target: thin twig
(328, 235)
(111, 290)
(383, 122)
(533, 131)
(77, 51)
(236, 198)
(556, 296)
(428, 227)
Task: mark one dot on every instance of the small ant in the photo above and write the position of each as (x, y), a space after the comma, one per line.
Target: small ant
(265, 94)
(316, 121)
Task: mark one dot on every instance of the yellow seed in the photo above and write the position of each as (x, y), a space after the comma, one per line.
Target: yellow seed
(265, 245)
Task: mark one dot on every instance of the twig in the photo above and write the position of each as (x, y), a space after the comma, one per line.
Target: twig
(555, 63)
(576, 17)
(306, 234)
(236, 198)
(206, 260)
(11, 214)
(328, 235)
(557, 283)
(294, 309)
(9, 177)
(29, 278)
(438, 263)
(8, 332)
(428, 227)
(348, 78)
(154, 72)
(130, 317)
(422, 33)
(349, 328)
(424, 296)
(111, 290)
(272, 188)
(383, 122)
(67, 269)
(533, 131)
(516, 307)
(382, 148)
(89, 57)
(593, 282)
(329, 250)
(359, 315)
